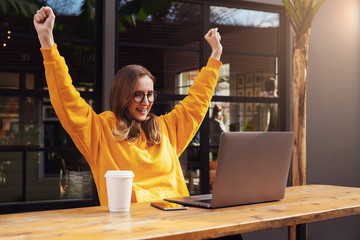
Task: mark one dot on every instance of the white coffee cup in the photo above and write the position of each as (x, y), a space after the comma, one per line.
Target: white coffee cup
(119, 188)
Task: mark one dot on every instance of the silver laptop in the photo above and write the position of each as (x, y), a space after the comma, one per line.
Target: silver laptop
(252, 167)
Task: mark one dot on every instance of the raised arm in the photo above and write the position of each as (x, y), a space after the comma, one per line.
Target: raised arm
(44, 20)
(76, 116)
(184, 120)
(213, 38)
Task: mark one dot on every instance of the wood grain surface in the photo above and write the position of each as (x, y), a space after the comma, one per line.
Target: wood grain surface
(302, 204)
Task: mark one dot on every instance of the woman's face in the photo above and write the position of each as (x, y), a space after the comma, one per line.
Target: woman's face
(139, 111)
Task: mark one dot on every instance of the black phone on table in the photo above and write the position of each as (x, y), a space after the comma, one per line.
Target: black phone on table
(168, 206)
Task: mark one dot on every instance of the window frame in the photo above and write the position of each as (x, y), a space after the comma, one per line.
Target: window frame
(96, 95)
(205, 51)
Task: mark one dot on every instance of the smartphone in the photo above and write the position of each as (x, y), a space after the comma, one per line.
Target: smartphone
(168, 206)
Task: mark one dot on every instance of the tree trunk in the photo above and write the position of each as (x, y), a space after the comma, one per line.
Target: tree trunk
(299, 71)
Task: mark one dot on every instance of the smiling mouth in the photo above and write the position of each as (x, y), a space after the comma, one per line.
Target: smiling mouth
(142, 110)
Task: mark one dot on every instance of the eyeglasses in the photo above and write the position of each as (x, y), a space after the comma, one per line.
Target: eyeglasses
(139, 96)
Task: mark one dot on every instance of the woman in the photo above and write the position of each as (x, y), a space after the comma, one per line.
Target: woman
(128, 137)
(216, 125)
(268, 119)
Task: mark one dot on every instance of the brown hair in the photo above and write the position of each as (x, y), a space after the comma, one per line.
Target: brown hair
(216, 110)
(121, 95)
(269, 84)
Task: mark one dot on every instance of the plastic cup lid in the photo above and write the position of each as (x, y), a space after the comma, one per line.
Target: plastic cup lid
(119, 173)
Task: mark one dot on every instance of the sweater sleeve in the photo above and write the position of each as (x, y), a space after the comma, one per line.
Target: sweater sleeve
(185, 119)
(76, 116)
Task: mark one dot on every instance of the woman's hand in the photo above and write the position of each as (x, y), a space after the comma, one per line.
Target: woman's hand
(213, 38)
(44, 20)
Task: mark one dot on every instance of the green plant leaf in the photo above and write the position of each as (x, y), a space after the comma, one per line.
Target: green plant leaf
(141, 14)
(317, 6)
(307, 12)
(298, 5)
(301, 13)
(292, 14)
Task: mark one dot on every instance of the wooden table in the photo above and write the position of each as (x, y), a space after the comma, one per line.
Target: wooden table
(302, 204)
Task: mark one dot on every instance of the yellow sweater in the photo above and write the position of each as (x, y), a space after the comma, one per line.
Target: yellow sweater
(157, 169)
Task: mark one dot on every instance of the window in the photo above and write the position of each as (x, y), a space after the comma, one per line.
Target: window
(167, 38)
(38, 161)
(40, 167)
